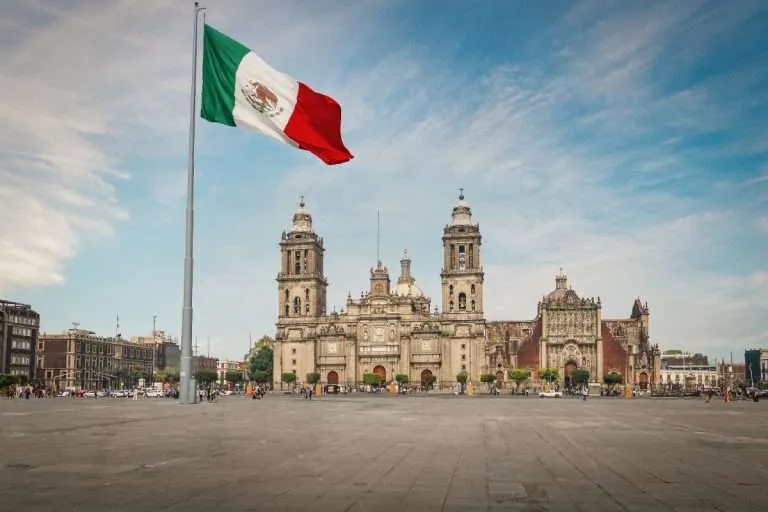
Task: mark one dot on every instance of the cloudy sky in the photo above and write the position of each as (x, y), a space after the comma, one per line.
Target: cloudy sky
(626, 142)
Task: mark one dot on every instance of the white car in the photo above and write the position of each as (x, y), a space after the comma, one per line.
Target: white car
(153, 393)
(551, 394)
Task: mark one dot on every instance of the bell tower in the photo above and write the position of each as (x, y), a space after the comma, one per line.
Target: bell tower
(301, 284)
(462, 275)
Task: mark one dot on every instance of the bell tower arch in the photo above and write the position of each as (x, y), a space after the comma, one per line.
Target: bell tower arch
(301, 283)
(462, 275)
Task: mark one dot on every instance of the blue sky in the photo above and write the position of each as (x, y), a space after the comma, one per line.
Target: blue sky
(626, 142)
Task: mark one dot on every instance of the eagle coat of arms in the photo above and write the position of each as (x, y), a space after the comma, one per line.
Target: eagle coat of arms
(261, 98)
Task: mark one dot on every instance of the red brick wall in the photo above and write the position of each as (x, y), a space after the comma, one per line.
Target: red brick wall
(614, 356)
(528, 353)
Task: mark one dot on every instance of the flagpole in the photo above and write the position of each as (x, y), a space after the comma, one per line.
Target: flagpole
(187, 393)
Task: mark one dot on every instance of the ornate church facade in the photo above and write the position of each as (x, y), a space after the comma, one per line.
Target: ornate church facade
(393, 328)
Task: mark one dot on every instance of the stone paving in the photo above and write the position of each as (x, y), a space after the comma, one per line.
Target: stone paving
(383, 453)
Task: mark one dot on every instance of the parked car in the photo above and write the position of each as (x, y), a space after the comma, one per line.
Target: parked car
(551, 394)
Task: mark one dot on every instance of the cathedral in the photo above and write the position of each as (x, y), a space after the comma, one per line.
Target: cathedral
(393, 329)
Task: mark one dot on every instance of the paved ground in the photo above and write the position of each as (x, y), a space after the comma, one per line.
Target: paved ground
(370, 453)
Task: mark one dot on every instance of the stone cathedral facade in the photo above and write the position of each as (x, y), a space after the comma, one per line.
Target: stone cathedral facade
(393, 328)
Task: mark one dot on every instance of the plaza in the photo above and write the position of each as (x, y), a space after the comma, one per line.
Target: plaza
(368, 453)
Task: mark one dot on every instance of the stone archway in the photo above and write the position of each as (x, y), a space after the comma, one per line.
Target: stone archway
(644, 381)
(333, 378)
(381, 372)
(425, 374)
(568, 370)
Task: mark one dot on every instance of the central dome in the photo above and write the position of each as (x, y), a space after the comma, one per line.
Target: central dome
(408, 290)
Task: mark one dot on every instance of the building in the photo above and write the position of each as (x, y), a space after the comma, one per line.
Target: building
(690, 376)
(756, 366)
(78, 358)
(675, 357)
(392, 329)
(167, 351)
(19, 328)
(204, 363)
(225, 366)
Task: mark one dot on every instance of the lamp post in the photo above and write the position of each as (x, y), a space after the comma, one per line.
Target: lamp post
(154, 346)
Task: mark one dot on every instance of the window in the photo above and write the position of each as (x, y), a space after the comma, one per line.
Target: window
(450, 306)
(453, 257)
(473, 305)
(297, 305)
(306, 307)
(450, 289)
(293, 351)
(293, 362)
(306, 256)
(462, 301)
(463, 367)
(306, 294)
(463, 357)
(297, 262)
(472, 290)
(471, 256)
(462, 258)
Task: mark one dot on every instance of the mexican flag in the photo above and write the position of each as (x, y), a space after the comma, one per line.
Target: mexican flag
(240, 89)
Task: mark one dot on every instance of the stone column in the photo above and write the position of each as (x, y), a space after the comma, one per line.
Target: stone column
(600, 360)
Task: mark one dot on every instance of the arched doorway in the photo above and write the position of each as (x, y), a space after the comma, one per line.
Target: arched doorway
(381, 372)
(568, 370)
(644, 381)
(426, 376)
(499, 379)
(333, 378)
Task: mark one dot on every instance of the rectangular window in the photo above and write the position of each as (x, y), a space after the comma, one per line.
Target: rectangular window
(471, 255)
(462, 258)
(306, 259)
(297, 262)
(452, 257)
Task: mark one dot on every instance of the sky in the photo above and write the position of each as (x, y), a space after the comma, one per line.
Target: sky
(626, 142)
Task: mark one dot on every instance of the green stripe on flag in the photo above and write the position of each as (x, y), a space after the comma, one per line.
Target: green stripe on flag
(221, 58)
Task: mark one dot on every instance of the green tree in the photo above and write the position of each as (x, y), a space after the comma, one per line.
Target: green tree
(206, 377)
(371, 379)
(234, 377)
(580, 376)
(313, 378)
(288, 378)
(550, 374)
(518, 376)
(612, 379)
(173, 376)
(428, 381)
(462, 377)
(260, 360)
(161, 376)
(401, 379)
(488, 378)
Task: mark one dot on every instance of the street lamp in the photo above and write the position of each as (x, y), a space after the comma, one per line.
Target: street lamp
(154, 346)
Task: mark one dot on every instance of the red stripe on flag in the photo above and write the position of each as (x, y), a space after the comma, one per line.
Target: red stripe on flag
(315, 126)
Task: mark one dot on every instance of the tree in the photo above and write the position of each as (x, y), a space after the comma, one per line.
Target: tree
(550, 374)
(428, 381)
(234, 377)
(462, 377)
(288, 378)
(371, 379)
(402, 379)
(580, 376)
(488, 378)
(206, 377)
(519, 375)
(260, 360)
(161, 376)
(313, 378)
(173, 376)
(612, 378)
